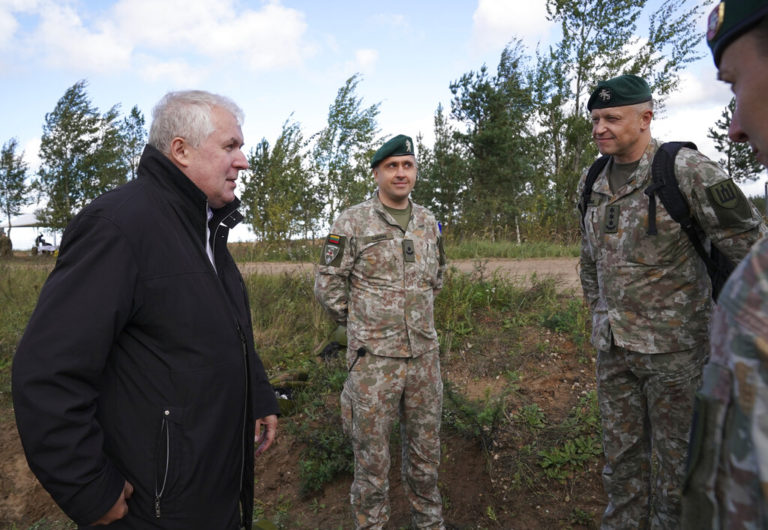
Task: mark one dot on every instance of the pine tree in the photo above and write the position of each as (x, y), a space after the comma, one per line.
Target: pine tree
(738, 160)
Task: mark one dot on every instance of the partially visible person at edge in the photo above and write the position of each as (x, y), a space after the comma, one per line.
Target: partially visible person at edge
(650, 299)
(381, 268)
(136, 385)
(727, 481)
(6, 247)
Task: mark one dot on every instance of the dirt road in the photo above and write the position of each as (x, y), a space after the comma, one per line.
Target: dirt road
(565, 270)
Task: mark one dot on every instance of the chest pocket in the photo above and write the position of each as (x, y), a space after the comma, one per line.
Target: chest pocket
(380, 258)
(389, 258)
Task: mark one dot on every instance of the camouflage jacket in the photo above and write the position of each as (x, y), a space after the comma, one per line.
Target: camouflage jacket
(727, 481)
(651, 294)
(381, 281)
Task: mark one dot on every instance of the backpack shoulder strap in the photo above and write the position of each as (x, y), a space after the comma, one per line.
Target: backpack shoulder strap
(664, 184)
(592, 173)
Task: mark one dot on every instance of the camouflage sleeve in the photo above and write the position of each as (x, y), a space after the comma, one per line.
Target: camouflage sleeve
(333, 271)
(441, 261)
(725, 214)
(587, 266)
(739, 341)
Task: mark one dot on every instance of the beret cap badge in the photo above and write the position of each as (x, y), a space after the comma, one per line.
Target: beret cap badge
(715, 21)
(627, 89)
(398, 146)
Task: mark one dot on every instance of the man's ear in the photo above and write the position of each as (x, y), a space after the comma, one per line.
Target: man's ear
(646, 116)
(179, 152)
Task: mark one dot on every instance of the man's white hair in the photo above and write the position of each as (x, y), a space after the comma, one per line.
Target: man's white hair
(187, 114)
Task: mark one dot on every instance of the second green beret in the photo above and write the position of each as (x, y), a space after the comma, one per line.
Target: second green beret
(729, 20)
(397, 146)
(626, 89)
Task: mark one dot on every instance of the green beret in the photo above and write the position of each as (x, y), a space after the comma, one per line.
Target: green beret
(729, 20)
(623, 90)
(397, 146)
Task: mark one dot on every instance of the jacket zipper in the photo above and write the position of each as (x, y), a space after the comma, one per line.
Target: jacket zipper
(159, 494)
(244, 345)
(245, 417)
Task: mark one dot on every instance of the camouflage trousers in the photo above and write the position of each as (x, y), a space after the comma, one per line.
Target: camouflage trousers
(646, 407)
(377, 391)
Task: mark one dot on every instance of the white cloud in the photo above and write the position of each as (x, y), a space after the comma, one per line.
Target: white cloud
(180, 73)
(32, 155)
(271, 37)
(366, 59)
(68, 43)
(8, 25)
(497, 22)
(696, 88)
(173, 32)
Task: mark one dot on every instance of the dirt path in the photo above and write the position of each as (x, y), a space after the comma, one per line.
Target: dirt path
(565, 270)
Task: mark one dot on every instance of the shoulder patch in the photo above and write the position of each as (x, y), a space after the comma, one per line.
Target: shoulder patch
(730, 205)
(724, 194)
(333, 250)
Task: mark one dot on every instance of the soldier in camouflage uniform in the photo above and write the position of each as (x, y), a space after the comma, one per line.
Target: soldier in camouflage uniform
(727, 481)
(381, 268)
(650, 301)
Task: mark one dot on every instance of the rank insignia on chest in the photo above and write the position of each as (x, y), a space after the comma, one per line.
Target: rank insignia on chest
(409, 254)
(333, 250)
(611, 225)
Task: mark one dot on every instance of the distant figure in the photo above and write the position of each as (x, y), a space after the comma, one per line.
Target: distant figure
(136, 385)
(650, 297)
(6, 247)
(381, 268)
(42, 246)
(727, 482)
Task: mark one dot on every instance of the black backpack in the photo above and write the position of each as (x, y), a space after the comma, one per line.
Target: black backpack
(664, 185)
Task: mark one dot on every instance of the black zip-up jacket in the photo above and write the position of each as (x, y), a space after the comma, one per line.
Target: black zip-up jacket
(138, 362)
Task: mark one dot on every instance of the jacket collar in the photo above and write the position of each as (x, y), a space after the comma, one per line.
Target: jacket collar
(379, 207)
(185, 197)
(639, 177)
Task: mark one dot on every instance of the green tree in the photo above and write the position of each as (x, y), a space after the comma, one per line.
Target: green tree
(13, 172)
(442, 172)
(277, 193)
(494, 111)
(601, 39)
(134, 139)
(738, 160)
(81, 156)
(343, 149)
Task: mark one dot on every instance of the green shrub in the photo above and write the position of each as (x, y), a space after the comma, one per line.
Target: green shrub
(478, 420)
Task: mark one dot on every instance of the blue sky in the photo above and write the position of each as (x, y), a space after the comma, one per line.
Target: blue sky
(281, 59)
